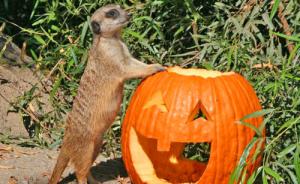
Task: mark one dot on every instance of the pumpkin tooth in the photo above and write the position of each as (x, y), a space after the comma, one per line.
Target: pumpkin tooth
(173, 159)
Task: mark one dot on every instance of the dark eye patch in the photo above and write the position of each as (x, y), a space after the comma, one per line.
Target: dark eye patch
(112, 13)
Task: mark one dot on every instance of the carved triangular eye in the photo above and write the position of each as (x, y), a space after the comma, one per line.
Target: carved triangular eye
(156, 100)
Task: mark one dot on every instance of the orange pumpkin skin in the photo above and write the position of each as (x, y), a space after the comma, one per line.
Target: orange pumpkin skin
(159, 122)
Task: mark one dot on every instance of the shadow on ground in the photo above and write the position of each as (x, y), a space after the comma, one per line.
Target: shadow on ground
(105, 172)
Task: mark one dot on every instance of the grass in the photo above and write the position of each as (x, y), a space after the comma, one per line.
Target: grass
(248, 37)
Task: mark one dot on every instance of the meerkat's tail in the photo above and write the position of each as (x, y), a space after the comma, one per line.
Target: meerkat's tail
(62, 162)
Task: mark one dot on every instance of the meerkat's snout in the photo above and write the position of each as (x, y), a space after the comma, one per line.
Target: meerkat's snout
(129, 16)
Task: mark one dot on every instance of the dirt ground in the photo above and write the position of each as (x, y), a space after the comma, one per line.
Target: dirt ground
(19, 165)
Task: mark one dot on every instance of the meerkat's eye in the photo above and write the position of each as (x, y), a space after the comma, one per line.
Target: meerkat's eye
(112, 13)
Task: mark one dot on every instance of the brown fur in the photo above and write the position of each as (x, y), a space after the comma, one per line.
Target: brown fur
(99, 95)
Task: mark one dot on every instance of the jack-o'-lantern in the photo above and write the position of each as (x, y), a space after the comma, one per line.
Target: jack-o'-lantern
(160, 121)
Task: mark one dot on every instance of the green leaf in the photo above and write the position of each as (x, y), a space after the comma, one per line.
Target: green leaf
(55, 28)
(74, 56)
(257, 131)
(39, 22)
(256, 114)
(260, 113)
(55, 88)
(39, 39)
(297, 162)
(34, 8)
(272, 173)
(254, 175)
(286, 151)
(289, 123)
(268, 21)
(50, 37)
(33, 54)
(274, 8)
(84, 31)
(242, 162)
(292, 38)
(289, 172)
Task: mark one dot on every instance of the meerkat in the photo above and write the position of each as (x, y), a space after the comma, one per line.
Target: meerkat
(100, 92)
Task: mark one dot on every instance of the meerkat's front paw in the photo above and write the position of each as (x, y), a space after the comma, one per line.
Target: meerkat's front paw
(157, 68)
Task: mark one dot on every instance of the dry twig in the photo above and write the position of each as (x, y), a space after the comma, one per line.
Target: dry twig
(286, 27)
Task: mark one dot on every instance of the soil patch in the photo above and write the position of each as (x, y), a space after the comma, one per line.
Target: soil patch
(34, 166)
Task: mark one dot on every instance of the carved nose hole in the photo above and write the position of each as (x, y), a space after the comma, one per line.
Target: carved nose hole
(199, 114)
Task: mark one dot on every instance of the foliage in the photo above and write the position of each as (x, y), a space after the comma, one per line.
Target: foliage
(246, 36)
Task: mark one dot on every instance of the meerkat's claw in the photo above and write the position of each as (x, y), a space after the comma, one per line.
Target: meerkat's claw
(159, 67)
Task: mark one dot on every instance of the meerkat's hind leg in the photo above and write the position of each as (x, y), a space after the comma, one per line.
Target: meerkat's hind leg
(61, 164)
(83, 161)
(97, 146)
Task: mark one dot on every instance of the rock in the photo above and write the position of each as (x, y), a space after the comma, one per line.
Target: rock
(12, 53)
(14, 82)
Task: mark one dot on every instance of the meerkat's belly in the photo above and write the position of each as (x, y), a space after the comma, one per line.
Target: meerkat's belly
(109, 111)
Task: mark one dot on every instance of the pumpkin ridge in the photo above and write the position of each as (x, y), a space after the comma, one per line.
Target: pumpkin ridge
(150, 126)
(244, 111)
(246, 131)
(125, 140)
(255, 121)
(222, 117)
(136, 99)
(140, 100)
(246, 92)
(175, 88)
(217, 140)
(256, 104)
(164, 144)
(190, 100)
(231, 127)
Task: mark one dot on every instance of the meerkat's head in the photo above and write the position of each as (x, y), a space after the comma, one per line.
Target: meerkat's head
(108, 20)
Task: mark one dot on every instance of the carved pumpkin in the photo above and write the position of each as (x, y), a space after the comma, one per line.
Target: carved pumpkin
(160, 121)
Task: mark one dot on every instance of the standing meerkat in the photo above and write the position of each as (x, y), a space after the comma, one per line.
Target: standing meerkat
(100, 92)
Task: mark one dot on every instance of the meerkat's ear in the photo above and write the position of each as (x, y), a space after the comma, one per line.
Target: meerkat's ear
(96, 27)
